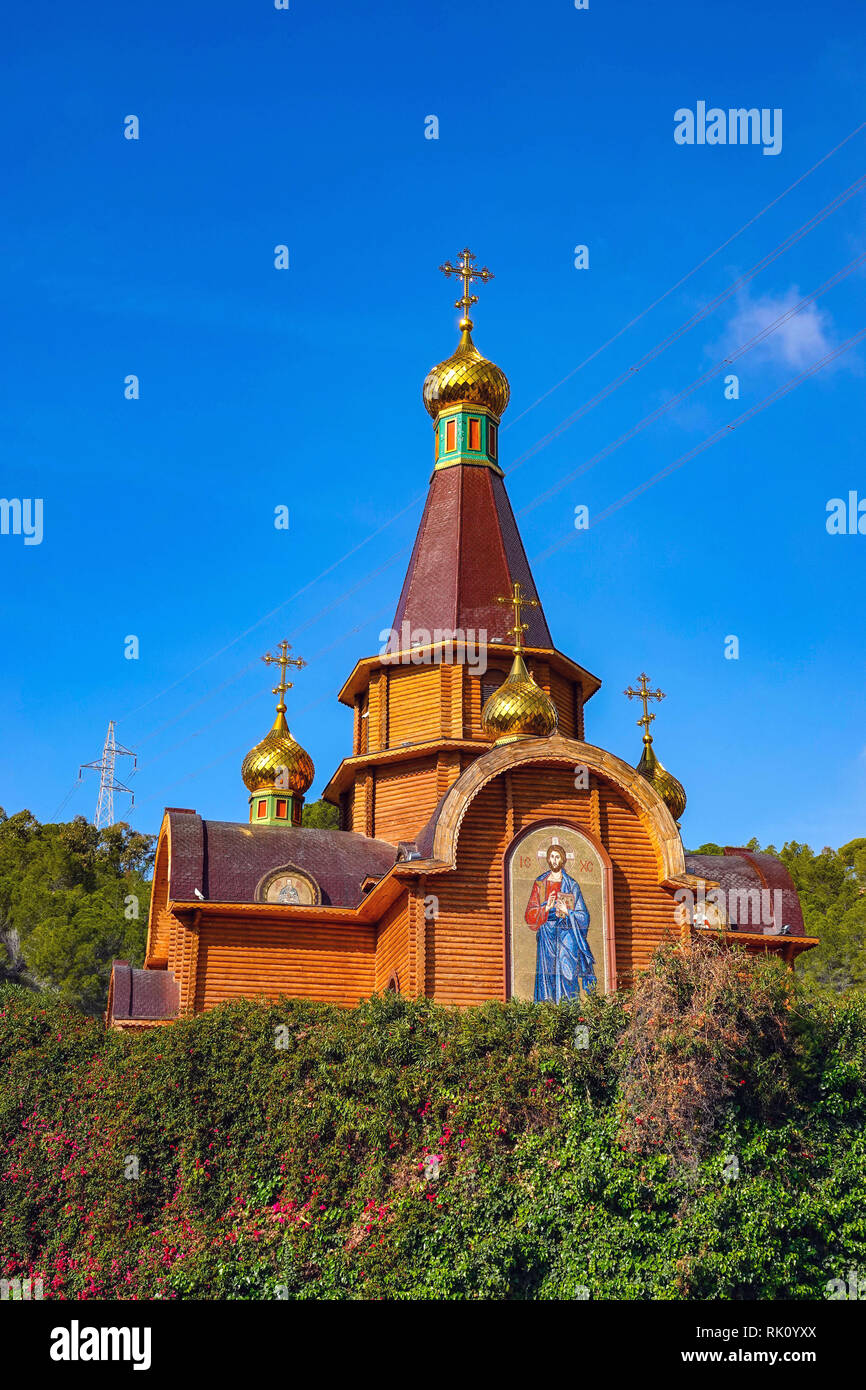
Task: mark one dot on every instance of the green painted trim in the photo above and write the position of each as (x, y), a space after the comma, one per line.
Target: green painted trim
(461, 453)
(294, 807)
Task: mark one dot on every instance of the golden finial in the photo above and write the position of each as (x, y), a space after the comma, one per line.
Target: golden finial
(467, 377)
(519, 708)
(518, 600)
(671, 791)
(465, 269)
(283, 660)
(644, 694)
(278, 770)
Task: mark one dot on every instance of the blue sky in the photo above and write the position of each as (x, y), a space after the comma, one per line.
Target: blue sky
(262, 387)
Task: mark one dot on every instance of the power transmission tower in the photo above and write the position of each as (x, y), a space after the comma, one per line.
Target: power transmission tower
(108, 783)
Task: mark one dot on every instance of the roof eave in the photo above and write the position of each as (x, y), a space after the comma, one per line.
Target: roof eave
(360, 675)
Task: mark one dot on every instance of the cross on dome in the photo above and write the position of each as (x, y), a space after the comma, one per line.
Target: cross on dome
(518, 600)
(283, 660)
(465, 269)
(644, 694)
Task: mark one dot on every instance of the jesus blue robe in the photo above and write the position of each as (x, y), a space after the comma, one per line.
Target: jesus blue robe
(564, 960)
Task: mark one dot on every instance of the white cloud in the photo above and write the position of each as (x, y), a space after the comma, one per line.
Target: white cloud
(800, 340)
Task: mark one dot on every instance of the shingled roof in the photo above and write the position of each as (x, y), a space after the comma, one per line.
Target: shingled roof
(467, 552)
(226, 860)
(740, 873)
(141, 995)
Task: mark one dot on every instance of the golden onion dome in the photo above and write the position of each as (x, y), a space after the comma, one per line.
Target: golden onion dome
(278, 761)
(671, 791)
(466, 377)
(519, 708)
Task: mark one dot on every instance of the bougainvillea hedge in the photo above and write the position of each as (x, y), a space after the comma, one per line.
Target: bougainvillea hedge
(405, 1150)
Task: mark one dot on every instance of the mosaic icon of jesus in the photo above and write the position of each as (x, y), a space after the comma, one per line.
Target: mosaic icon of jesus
(557, 913)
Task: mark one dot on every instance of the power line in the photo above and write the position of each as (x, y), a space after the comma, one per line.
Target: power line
(75, 785)
(761, 336)
(801, 232)
(689, 390)
(691, 323)
(679, 283)
(209, 695)
(350, 632)
(712, 439)
(705, 444)
(232, 752)
(273, 612)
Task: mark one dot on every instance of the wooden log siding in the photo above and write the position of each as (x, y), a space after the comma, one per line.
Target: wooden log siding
(465, 947)
(376, 711)
(240, 957)
(448, 769)
(359, 726)
(405, 798)
(163, 923)
(471, 705)
(418, 938)
(562, 693)
(171, 943)
(454, 676)
(393, 945)
(184, 962)
(414, 704)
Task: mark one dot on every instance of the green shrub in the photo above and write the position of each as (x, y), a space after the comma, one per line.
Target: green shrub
(403, 1150)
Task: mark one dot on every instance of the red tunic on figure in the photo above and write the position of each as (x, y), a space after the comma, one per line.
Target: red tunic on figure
(536, 908)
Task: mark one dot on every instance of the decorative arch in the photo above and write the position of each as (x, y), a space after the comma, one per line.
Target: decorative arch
(655, 815)
(157, 940)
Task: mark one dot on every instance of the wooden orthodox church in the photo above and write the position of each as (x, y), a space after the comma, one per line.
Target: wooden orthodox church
(485, 849)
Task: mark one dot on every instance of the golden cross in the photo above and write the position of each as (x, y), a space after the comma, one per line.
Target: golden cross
(465, 268)
(283, 660)
(518, 600)
(644, 694)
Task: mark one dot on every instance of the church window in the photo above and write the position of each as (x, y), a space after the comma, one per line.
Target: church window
(491, 439)
(490, 682)
(261, 810)
(475, 434)
(450, 435)
(281, 810)
(436, 444)
(296, 813)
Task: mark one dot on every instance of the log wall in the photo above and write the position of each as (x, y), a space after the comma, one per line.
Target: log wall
(393, 946)
(414, 704)
(465, 946)
(162, 923)
(405, 796)
(242, 957)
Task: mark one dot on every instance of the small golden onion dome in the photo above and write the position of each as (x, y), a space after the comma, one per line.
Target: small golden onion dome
(671, 791)
(278, 756)
(519, 708)
(466, 376)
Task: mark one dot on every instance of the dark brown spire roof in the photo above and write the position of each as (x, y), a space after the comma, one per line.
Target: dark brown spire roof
(467, 552)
